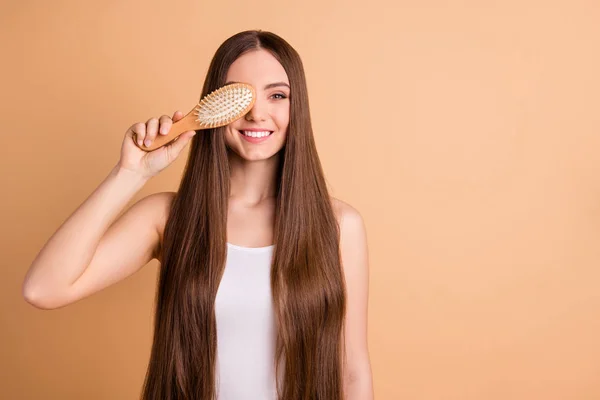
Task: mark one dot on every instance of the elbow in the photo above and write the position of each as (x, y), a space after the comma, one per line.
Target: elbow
(38, 299)
(31, 296)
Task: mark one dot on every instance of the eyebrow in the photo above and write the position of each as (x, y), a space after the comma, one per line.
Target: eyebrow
(269, 86)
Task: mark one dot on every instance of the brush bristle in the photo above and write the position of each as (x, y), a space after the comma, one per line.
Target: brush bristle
(224, 105)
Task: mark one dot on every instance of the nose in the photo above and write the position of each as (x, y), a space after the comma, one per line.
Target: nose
(256, 113)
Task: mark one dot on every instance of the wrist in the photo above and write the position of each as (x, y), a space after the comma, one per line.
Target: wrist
(134, 177)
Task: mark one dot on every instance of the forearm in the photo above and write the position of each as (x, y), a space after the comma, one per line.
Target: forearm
(70, 249)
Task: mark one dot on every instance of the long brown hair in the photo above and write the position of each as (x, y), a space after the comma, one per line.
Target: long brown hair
(308, 288)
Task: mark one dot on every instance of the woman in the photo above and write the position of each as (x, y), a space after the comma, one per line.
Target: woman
(263, 283)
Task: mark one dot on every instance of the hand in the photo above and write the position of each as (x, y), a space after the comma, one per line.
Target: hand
(150, 163)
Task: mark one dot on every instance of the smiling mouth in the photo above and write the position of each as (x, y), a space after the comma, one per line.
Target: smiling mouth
(256, 134)
(256, 137)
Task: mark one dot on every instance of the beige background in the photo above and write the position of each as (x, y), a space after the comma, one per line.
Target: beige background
(466, 133)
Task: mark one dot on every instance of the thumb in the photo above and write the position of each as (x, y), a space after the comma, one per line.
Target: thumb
(179, 143)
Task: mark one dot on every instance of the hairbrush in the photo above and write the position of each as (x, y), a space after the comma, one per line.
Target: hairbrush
(218, 108)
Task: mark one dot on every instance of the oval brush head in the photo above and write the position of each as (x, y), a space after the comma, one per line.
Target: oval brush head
(219, 108)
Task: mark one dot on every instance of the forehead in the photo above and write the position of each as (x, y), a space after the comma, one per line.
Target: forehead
(258, 68)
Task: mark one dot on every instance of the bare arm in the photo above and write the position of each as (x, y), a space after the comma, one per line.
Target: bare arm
(88, 252)
(355, 261)
(91, 250)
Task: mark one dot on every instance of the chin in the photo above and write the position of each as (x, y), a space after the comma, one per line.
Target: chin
(259, 157)
(256, 154)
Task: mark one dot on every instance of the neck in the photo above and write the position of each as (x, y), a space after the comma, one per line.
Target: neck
(253, 181)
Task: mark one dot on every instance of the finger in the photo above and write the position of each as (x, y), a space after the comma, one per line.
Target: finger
(165, 125)
(138, 132)
(151, 131)
(177, 116)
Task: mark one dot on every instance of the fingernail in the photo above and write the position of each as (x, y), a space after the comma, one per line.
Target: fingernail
(147, 142)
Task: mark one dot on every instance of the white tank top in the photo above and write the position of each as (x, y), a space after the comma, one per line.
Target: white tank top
(246, 329)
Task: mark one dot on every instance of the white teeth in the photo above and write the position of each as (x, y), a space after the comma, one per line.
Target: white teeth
(256, 134)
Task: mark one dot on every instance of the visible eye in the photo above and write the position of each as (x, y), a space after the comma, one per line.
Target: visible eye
(283, 96)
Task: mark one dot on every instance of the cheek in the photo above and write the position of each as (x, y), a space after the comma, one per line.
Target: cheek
(230, 134)
(282, 118)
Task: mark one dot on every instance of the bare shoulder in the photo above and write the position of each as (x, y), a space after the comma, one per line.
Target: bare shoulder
(349, 218)
(353, 237)
(161, 206)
